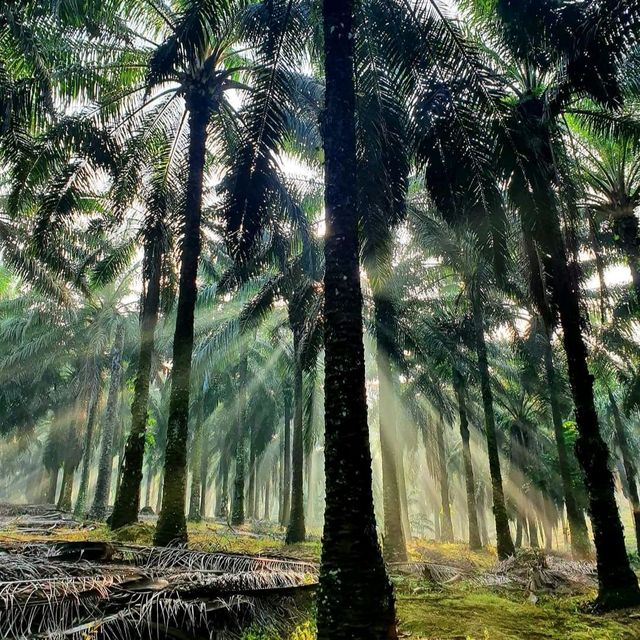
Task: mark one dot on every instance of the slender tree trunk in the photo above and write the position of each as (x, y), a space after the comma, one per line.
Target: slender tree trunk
(394, 547)
(519, 527)
(87, 455)
(577, 525)
(222, 500)
(503, 535)
(103, 483)
(172, 523)
(482, 516)
(204, 475)
(127, 501)
(355, 599)
(402, 486)
(286, 467)
(296, 527)
(629, 467)
(66, 491)
(53, 485)
(251, 502)
(446, 528)
(618, 585)
(475, 542)
(195, 514)
(267, 498)
(147, 497)
(237, 509)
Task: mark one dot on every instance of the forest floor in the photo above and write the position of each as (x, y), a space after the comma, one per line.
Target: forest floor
(446, 592)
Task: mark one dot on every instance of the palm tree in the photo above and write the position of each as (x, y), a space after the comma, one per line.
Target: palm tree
(355, 598)
(532, 158)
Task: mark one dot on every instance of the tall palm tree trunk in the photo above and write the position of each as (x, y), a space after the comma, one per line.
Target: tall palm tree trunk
(629, 467)
(66, 491)
(503, 535)
(475, 542)
(53, 485)
(204, 475)
(222, 499)
(446, 528)
(237, 508)
(580, 546)
(286, 466)
(94, 401)
(394, 544)
(355, 598)
(296, 526)
(251, 495)
(618, 585)
(196, 478)
(172, 523)
(105, 465)
(127, 501)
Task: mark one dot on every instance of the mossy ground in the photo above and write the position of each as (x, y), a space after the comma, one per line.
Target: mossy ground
(425, 612)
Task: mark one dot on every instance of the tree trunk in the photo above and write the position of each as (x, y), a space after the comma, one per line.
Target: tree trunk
(251, 502)
(66, 491)
(103, 483)
(53, 485)
(580, 546)
(618, 585)
(482, 516)
(87, 455)
(446, 528)
(147, 497)
(355, 598)
(629, 467)
(296, 527)
(475, 542)
(267, 498)
(172, 523)
(394, 544)
(127, 501)
(222, 500)
(196, 476)
(237, 509)
(286, 467)
(204, 475)
(503, 535)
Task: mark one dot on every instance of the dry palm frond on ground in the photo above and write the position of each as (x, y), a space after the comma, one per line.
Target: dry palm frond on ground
(72, 589)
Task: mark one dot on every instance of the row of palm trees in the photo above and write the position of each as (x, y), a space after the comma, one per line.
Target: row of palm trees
(499, 144)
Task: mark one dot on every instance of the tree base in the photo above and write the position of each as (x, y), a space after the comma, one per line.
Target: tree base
(613, 599)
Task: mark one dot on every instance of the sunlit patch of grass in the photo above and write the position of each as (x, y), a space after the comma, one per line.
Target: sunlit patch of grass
(456, 554)
(472, 613)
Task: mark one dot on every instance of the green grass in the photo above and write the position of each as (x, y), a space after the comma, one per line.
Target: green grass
(457, 612)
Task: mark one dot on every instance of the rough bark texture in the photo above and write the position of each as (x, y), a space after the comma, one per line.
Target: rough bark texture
(446, 528)
(296, 526)
(127, 501)
(355, 599)
(172, 524)
(618, 585)
(237, 507)
(87, 454)
(475, 542)
(286, 467)
(629, 467)
(503, 535)
(103, 482)
(394, 546)
(53, 485)
(580, 546)
(64, 502)
(196, 475)
(222, 500)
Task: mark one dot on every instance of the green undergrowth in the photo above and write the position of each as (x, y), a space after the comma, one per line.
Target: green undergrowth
(464, 612)
(460, 611)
